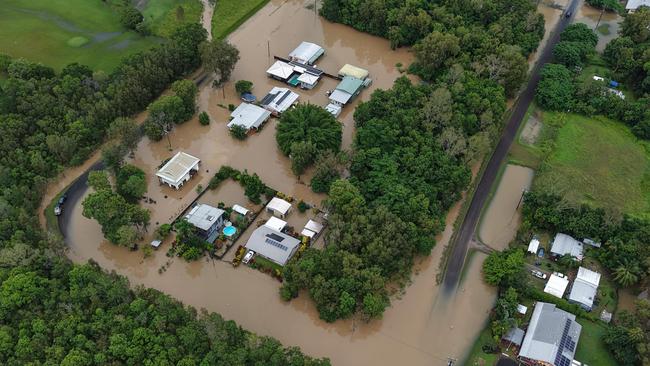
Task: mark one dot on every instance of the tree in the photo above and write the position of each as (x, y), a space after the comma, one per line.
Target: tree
(113, 212)
(619, 54)
(635, 25)
(131, 183)
(62, 147)
(609, 5)
(569, 54)
(555, 89)
(579, 32)
(239, 132)
(219, 57)
(98, 180)
(503, 269)
(167, 110)
(127, 236)
(113, 156)
(309, 129)
(435, 51)
(126, 131)
(186, 90)
(243, 86)
(437, 111)
(328, 168)
(508, 67)
(626, 274)
(204, 118)
(130, 17)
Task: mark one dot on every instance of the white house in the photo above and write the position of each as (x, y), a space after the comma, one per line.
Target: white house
(273, 245)
(178, 170)
(249, 116)
(306, 53)
(557, 284)
(278, 207)
(633, 5)
(279, 100)
(280, 70)
(564, 244)
(585, 288)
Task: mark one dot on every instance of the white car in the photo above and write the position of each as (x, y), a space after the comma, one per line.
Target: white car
(539, 274)
(248, 257)
(57, 210)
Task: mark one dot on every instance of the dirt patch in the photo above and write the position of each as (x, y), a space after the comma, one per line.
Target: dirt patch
(531, 131)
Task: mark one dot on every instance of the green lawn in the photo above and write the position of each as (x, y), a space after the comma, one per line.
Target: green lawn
(599, 162)
(591, 348)
(476, 355)
(230, 14)
(163, 16)
(58, 32)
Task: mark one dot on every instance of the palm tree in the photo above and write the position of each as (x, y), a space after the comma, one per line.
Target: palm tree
(625, 274)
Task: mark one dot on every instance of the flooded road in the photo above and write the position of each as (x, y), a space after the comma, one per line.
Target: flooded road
(605, 24)
(552, 11)
(422, 327)
(501, 220)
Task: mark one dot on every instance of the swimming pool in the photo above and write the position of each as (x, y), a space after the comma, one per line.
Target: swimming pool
(229, 230)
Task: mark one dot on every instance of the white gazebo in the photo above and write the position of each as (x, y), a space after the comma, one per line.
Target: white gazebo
(278, 207)
(178, 170)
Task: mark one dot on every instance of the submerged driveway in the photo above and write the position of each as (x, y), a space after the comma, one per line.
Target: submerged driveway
(468, 228)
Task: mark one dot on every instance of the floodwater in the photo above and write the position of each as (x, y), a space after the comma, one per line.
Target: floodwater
(501, 220)
(595, 18)
(626, 300)
(206, 16)
(420, 328)
(552, 11)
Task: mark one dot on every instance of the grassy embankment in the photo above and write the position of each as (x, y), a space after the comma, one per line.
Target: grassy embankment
(230, 14)
(58, 32)
(163, 16)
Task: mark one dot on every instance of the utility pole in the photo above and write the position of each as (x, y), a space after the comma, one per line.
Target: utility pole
(523, 192)
(599, 18)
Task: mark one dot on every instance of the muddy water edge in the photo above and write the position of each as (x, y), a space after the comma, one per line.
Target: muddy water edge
(421, 328)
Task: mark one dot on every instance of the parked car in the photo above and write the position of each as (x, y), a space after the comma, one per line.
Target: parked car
(540, 253)
(57, 210)
(538, 274)
(567, 14)
(248, 257)
(62, 199)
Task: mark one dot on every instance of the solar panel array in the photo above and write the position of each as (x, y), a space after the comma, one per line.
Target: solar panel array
(566, 342)
(276, 244)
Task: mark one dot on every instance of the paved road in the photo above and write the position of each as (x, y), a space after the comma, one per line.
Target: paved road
(75, 192)
(467, 230)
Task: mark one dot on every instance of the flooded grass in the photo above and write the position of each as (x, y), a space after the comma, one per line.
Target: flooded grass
(40, 31)
(605, 24)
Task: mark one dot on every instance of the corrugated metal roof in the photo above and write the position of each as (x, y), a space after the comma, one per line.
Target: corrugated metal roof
(177, 167)
(273, 245)
(350, 85)
(204, 216)
(354, 71)
(565, 244)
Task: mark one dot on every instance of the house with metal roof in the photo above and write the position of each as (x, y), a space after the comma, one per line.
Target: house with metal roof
(585, 288)
(633, 5)
(278, 207)
(551, 338)
(347, 89)
(533, 245)
(306, 53)
(178, 170)
(515, 336)
(556, 285)
(248, 116)
(564, 244)
(355, 72)
(280, 70)
(279, 100)
(207, 220)
(273, 245)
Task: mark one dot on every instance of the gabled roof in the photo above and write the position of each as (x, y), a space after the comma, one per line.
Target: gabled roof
(552, 336)
(275, 223)
(274, 245)
(340, 96)
(279, 99)
(564, 244)
(350, 85)
(177, 167)
(308, 78)
(314, 226)
(585, 287)
(306, 52)
(556, 285)
(279, 205)
(248, 116)
(533, 245)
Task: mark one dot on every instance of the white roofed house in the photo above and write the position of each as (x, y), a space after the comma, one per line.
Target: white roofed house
(585, 288)
(278, 207)
(551, 338)
(634, 5)
(249, 116)
(178, 170)
(306, 53)
(556, 285)
(207, 220)
(280, 70)
(564, 244)
(278, 100)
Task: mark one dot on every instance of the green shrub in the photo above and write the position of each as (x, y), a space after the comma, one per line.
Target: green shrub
(243, 86)
(238, 132)
(204, 118)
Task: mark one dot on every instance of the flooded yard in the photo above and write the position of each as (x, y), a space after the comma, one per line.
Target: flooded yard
(501, 220)
(421, 327)
(552, 11)
(605, 24)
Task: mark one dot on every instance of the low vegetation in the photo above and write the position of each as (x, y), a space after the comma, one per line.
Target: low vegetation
(230, 14)
(163, 17)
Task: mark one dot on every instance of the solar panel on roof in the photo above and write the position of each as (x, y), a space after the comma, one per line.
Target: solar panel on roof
(276, 244)
(268, 99)
(275, 237)
(286, 94)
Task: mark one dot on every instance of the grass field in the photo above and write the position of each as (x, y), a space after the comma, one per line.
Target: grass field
(591, 348)
(230, 14)
(163, 16)
(58, 32)
(599, 162)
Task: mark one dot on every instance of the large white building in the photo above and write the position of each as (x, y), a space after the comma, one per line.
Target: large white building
(585, 288)
(279, 100)
(564, 244)
(556, 285)
(178, 170)
(306, 53)
(273, 245)
(248, 116)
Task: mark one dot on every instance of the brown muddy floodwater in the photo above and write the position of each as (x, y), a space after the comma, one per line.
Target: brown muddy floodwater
(421, 328)
(594, 19)
(501, 220)
(552, 11)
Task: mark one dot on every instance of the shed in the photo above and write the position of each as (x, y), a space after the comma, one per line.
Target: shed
(334, 109)
(564, 244)
(533, 245)
(350, 70)
(280, 70)
(521, 309)
(178, 170)
(279, 100)
(273, 245)
(275, 223)
(248, 116)
(515, 336)
(308, 233)
(156, 243)
(278, 207)
(585, 288)
(240, 210)
(556, 285)
(591, 242)
(306, 53)
(314, 226)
